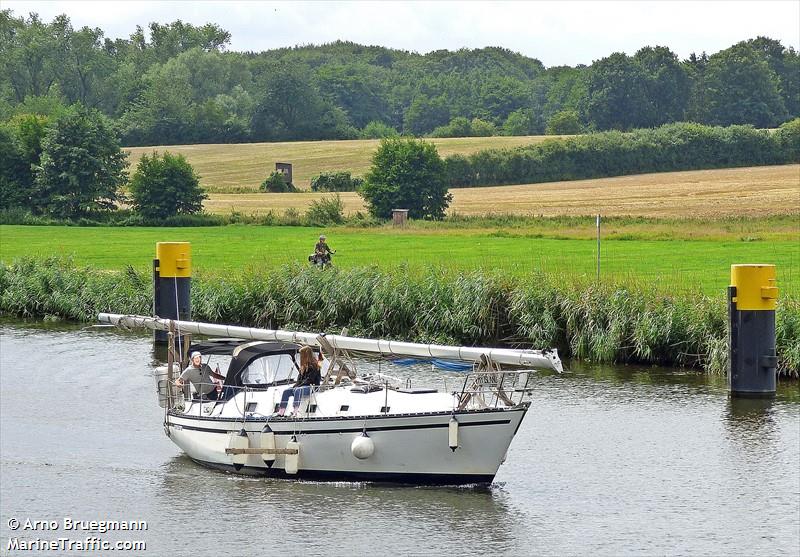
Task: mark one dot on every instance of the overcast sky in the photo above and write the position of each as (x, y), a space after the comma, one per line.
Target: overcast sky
(556, 33)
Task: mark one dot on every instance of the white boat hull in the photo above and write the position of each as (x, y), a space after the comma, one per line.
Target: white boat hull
(408, 448)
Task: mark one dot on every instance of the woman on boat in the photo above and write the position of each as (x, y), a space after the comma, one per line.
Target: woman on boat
(309, 376)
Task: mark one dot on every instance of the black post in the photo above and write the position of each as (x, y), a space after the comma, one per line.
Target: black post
(172, 283)
(751, 308)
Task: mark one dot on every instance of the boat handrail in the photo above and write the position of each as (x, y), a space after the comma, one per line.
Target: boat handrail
(501, 387)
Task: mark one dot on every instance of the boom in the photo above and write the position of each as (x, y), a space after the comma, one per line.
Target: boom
(539, 359)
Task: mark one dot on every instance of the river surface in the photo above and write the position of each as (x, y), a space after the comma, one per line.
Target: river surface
(609, 461)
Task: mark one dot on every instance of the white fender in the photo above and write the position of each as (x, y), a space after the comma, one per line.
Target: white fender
(452, 431)
(267, 442)
(162, 385)
(362, 447)
(292, 462)
(239, 440)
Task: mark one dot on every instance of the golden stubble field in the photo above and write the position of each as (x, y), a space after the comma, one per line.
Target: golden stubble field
(752, 191)
(242, 167)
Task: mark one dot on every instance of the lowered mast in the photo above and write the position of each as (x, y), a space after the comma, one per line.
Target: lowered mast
(539, 359)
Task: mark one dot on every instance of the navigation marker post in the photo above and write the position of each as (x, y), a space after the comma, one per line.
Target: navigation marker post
(752, 299)
(172, 282)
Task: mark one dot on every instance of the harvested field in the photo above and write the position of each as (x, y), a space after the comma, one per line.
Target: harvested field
(242, 167)
(752, 191)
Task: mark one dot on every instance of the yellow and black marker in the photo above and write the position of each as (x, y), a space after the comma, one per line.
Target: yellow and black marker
(172, 283)
(752, 298)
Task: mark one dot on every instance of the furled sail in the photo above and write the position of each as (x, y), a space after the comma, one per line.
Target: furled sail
(538, 359)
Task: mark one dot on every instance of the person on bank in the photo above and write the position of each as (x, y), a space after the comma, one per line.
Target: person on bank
(322, 250)
(201, 377)
(309, 376)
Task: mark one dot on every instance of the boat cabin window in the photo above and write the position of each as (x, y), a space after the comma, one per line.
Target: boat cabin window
(269, 369)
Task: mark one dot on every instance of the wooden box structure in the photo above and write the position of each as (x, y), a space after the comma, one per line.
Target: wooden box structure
(399, 217)
(285, 168)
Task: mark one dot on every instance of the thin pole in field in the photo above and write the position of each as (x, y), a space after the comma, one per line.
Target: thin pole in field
(598, 248)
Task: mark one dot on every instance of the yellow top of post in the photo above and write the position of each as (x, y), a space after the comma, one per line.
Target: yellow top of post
(755, 287)
(174, 259)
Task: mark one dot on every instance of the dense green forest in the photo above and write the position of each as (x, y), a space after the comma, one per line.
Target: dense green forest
(177, 83)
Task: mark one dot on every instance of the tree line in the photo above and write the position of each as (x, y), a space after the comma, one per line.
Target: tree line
(71, 166)
(177, 83)
(671, 147)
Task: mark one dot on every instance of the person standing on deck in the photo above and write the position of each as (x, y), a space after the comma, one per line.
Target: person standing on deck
(201, 377)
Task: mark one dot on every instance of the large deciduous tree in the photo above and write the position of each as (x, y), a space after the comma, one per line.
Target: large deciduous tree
(291, 107)
(82, 167)
(424, 114)
(668, 87)
(743, 89)
(20, 151)
(785, 62)
(358, 88)
(15, 172)
(164, 186)
(617, 94)
(406, 174)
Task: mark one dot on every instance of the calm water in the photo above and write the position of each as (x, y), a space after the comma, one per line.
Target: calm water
(610, 461)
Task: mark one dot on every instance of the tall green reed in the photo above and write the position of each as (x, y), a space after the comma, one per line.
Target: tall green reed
(597, 322)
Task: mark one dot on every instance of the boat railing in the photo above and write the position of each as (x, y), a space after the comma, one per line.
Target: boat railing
(188, 400)
(488, 386)
(494, 388)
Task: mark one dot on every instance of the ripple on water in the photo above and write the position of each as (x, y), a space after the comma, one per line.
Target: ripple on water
(609, 461)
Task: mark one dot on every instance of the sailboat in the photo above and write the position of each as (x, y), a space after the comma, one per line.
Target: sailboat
(352, 427)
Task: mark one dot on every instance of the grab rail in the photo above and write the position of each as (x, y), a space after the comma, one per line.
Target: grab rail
(498, 386)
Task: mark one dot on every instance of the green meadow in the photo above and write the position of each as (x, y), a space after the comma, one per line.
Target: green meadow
(677, 265)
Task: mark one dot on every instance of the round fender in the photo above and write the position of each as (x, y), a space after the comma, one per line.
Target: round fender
(362, 447)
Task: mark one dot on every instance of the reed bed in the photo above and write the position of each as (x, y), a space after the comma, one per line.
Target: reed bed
(602, 323)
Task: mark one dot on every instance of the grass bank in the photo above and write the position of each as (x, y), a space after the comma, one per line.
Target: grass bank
(631, 258)
(599, 323)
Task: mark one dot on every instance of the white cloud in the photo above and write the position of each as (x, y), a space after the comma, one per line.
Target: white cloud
(554, 32)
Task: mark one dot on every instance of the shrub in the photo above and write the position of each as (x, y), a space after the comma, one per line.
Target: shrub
(277, 183)
(291, 217)
(457, 127)
(522, 122)
(378, 130)
(336, 181)
(406, 174)
(788, 136)
(165, 186)
(462, 127)
(325, 211)
(482, 128)
(565, 122)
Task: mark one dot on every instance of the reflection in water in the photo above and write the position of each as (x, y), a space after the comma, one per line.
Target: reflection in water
(753, 411)
(751, 428)
(444, 514)
(651, 375)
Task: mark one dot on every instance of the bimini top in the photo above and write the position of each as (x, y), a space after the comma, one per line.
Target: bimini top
(259, 365)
